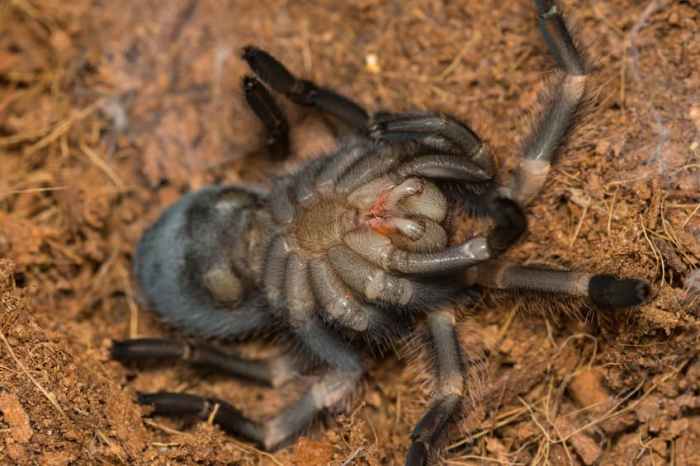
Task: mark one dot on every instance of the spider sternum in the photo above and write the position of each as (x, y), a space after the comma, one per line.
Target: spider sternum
(323, 225)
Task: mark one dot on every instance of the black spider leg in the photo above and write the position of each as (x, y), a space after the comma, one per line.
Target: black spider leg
(273, 371)
(605, 291)
(304, 92)
(326, 393)
(540, 147)
(447, 398)
(558, 116)
(270, 114)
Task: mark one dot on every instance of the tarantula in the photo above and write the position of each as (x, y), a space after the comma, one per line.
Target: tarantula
(355, 244)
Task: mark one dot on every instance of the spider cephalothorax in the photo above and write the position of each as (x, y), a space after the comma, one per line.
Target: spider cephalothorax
(354, 244)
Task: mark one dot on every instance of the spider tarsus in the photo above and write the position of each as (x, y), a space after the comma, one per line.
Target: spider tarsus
(146, 348)
(546, 8)
(119, 351)
(269, 69)
(437, 131)
(417, 454)
(510, 224)
(179, 405)
(302, 91)
(558, 38)
(610, 292)
(270, 114)
(173, 404)
(430, 428)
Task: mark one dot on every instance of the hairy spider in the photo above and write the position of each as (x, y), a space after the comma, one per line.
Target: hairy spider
(351, 249)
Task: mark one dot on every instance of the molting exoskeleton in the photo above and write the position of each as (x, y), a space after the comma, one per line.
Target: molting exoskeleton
(352, 249)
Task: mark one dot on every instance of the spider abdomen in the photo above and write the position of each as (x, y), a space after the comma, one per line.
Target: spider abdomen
(200, 260)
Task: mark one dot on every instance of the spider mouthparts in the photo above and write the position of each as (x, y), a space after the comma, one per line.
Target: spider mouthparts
(412, 229)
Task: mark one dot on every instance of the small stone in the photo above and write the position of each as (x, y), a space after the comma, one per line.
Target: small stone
(496, 448)
(373, 399)
(694, 115)
(677, 427)
(659, 446)
(587, 389)
(16, 418)
(312, 453)
(586, 448)
(507, 346)
(658, 424)
(648, 408)
(372, 63)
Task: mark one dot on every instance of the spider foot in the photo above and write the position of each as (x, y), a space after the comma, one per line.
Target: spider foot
(182, 405)
(609, 292)
(302, 92)
(559, 39)
(437, 131)
(429, 430)
(509, 225)
(417, 454)
(270, 114)
(270, 70)
(273, 371)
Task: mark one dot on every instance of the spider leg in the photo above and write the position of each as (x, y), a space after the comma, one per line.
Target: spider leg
(550, 130)
(181, 405)
(439, 131)
(380, 250)
(509, 224)
(384, 158)
(339, 307)
(327, 393)
(281, 206)
(303, 92)
(436, 131)
(346, 157)
(446, 167)
(273, 371)
(558, 38)
(270, 114)
(299, 295)
(373, 282)
(275, 271)
(345, 372)
(606, 291)
(449, 389)
(337, 301)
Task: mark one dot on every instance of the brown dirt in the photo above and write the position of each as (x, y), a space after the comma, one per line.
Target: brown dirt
(110, 110)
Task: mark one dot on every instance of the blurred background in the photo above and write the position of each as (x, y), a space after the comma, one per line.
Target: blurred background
(109, 111)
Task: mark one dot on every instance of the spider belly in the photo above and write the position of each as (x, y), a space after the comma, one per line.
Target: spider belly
(342, 225)
(203, 258)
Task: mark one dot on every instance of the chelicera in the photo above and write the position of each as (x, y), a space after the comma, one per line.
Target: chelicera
(352, 250)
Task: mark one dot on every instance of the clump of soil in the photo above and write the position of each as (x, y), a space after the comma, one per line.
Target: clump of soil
(108, 113)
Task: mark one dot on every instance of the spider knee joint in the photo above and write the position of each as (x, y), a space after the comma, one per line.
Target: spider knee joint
(453, 384)
(553, 11)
